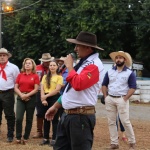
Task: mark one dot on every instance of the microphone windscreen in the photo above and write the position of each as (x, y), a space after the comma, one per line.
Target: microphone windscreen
(73, 55)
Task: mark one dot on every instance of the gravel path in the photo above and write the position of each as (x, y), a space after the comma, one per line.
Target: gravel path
(137, 111)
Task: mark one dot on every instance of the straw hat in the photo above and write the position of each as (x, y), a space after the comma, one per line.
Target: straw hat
(5, 51)
(61, 59)
(123, 54)
(46, 57)
(87, 39)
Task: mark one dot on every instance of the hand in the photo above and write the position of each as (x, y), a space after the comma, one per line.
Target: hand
(51, 113)
(125, 99)
(45, 103)
(44, 97)
(69, 62)
(25, 97)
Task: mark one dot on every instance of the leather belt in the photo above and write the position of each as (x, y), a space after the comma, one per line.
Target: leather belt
(9, 90)
(116, 96)
(86, 110)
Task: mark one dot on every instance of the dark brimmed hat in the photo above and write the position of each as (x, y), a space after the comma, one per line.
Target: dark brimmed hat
(87, 39)
(5, 51)
(46, 57)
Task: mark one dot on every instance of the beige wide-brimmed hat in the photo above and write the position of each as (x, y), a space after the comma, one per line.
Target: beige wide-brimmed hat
(123, 54)
(60, 59)
(5, 51)
(46, 57)
(87, 39)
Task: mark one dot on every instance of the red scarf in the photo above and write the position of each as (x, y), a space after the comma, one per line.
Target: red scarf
(2, 66)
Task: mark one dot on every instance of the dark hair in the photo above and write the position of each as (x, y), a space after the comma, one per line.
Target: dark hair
(49, 75)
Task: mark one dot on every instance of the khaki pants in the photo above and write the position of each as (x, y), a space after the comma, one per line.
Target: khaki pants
(113, 107)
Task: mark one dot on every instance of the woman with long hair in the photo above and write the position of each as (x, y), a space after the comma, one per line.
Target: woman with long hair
(50, 91)
(26, 86)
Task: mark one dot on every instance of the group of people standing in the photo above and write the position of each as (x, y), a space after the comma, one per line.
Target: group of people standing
(39, 86)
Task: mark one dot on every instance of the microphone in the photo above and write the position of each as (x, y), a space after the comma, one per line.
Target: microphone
(63, 66)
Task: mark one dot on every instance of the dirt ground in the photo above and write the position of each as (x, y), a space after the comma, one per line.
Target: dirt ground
(139, 116)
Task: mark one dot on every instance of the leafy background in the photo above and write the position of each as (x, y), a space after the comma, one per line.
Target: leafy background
(43, 27)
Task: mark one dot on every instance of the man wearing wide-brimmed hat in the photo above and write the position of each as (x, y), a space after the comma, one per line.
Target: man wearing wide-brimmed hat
(75, 130)
(62, 68)
(118, 85)
(41, 70)
(8, 74)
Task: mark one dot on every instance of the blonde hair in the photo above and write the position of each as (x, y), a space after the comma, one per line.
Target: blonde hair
(33, 63)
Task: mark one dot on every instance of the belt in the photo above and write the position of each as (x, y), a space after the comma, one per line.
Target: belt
(10, 90)
(116, 96)
(86, 110)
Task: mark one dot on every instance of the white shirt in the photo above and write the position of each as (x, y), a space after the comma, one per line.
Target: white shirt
(12, 72)
(87, 97)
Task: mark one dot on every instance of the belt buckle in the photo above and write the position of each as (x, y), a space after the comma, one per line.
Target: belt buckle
(81, 110)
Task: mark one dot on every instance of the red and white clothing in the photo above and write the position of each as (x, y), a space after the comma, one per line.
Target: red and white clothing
(12, 72)
(85, 83)
(41, 71)
(26, 82)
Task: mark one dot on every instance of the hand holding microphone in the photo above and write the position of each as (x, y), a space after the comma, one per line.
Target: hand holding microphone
(68, 62)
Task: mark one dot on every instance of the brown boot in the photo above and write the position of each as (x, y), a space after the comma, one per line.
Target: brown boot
(132, 146)
(39, 133)
(113, 146)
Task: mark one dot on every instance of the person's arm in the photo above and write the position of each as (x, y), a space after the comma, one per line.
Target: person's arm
(105, 85)
(105, 91)
(49, 115)
(88, 77)
(129, 94)
(16, 89)
(43, 99)
(132, 86)
(35, 90)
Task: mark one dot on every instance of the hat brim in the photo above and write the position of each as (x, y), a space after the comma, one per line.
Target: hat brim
(82, 43)
(123, 54)
(9, 54)
(59, 60)
(44, 60)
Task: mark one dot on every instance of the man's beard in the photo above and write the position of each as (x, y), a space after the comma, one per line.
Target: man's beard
(120, 64)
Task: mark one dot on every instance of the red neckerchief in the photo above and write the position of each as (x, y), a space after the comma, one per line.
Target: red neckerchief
(2, 66)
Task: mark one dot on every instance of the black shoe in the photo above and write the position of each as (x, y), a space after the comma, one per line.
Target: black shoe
(45, 142)
(9, 139)
(52, 143)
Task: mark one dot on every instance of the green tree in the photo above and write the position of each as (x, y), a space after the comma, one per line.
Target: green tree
(43, 27)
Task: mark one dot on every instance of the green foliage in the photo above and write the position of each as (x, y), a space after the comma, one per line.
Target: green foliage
(43, 27)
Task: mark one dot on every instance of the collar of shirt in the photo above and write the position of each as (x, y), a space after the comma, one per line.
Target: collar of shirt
(28, 73)
(124, 68)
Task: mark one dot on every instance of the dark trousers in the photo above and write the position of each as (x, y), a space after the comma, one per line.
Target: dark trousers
(1, 113)
(21, 108)
(39, 106)
(120, 124)
(75, 132)
(7, 101)
(51, 100)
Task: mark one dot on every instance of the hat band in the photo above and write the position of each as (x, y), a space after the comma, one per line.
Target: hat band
(46, 58)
